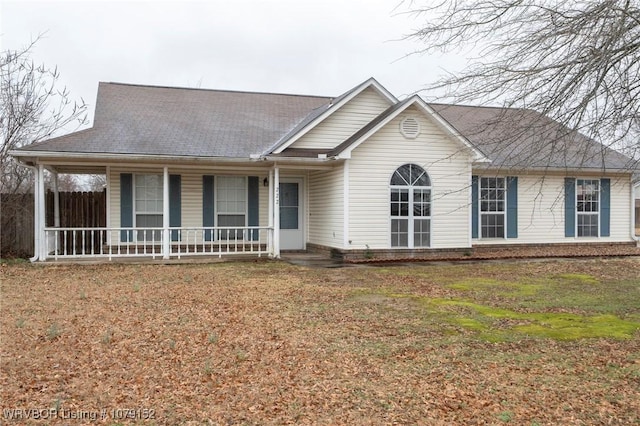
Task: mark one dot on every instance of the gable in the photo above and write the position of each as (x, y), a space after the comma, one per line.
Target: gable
(432, 144)
(409, 130)
(344, 122)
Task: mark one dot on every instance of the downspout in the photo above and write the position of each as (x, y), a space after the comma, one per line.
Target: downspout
(271, 215)
(633, 212)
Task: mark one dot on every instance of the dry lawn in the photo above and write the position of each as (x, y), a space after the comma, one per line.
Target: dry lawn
(270, 343)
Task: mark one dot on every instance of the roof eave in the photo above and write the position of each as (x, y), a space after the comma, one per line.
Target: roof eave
(120, 156)
(48, 156)
(555, 169)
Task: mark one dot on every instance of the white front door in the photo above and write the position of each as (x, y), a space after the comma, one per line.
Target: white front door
(291, 215)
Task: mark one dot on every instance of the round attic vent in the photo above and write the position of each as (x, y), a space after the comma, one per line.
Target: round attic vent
(410, 128)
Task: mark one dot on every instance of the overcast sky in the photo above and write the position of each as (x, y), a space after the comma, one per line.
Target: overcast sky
(291, 46)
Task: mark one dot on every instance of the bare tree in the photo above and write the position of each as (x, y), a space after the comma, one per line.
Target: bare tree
(97, 183)
(32, 108)
(575, 61)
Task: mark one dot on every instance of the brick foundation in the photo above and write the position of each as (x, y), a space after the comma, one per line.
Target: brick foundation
(484, 252)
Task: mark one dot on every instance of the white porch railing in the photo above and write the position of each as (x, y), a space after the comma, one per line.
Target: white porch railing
(67, 243)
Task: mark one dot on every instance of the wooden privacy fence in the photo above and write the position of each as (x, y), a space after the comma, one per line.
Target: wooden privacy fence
(16, 225)
(77, 210)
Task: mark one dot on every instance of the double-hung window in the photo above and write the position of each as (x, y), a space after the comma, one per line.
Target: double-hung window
(231, 205)
(148, 205)
(410, 207)
(588, 207)
(492, 207)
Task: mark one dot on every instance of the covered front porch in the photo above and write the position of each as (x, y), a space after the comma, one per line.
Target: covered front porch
(196, 215)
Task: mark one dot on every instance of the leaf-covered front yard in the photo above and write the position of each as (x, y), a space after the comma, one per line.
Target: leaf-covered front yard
(269, 343)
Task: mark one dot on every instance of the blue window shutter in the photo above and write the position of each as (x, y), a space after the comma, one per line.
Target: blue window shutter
(175, 204)
(475, 183)
(253, 210)
(512, 207)
(605, 207)
(208, 206)
(126, 206)
(569, 207)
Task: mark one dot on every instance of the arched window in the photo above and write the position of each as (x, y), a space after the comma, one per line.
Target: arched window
(410, 207)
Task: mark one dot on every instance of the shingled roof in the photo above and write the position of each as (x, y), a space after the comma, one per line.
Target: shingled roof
(152, 120)
(525, 139)
(133, 119)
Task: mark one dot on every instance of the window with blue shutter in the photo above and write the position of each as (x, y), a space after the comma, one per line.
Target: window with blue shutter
(569, 207)
(605, 207)
(175, 205)
(512, 207)
(474, 206)
(208, 206)
(253, 208)
(126, 206)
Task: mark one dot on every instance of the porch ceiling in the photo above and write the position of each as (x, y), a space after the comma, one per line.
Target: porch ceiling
(84, 163)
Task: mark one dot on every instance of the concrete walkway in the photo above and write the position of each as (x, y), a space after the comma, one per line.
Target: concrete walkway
(313, 260)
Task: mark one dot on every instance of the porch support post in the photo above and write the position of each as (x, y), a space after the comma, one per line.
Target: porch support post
(42, 213)
(276, 211)
(36, 215)
(166, 241)
(56, 201)
(345, 201)
(270, 214)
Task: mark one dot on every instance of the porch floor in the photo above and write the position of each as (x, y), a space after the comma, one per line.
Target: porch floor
(307, 259)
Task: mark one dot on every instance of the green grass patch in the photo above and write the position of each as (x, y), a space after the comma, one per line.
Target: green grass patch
(579, 278)
(502, 288)
(561, 307)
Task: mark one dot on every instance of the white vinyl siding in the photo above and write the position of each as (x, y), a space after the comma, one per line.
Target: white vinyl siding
(541, 212)
(344, 122)
(376, 159)
(191, 199)
(326, 213)
(114, 197)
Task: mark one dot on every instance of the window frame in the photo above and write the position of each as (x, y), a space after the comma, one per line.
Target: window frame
(142, 235)
(590, 213)
(225, 234)
(487, 213)
(410, 218)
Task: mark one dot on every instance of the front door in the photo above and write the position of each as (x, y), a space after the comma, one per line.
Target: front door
(291, 223)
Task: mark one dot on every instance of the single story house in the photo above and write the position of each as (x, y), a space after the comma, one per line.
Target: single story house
(212, 172)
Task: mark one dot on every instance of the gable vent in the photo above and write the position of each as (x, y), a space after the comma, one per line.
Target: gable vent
(410, 128)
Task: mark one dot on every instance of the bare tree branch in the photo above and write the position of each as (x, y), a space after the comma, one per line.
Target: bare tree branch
(575, 61)
(32, 108)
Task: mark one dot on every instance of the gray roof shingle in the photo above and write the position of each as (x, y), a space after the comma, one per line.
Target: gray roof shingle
(525, 139)
(152, 120)
(133, 119)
